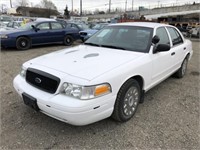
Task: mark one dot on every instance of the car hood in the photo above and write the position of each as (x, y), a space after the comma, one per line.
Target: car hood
(86, 62)
(2, 29)
(11, 31)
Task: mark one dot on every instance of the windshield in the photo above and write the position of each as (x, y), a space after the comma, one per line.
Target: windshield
(130, 38)
(83, 26)
(27, 26)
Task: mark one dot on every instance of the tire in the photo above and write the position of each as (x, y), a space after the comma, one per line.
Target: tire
(68, 40)
(23, 43)
(127, 101)
(83, 40)
(182, 70)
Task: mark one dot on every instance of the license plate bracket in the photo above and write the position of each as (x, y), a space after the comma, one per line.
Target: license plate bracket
(30, 101)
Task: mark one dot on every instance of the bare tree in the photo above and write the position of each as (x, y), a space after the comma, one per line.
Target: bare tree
(37, 6)
(66, 12)
(3, 8)
(23, 3)
(96, 11)
(48, 4)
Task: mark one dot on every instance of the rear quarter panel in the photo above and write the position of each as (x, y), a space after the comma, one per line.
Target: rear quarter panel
(73, 32)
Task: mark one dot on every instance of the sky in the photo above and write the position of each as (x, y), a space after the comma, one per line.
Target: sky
(103, 4)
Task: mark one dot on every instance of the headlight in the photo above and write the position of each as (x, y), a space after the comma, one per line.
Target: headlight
(89, 34)
(85, 92)
(3, 36)
(23, 72)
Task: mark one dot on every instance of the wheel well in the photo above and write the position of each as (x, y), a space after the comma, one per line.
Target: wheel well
(188, 55)
(69, 34)
(140, 80)
(24, 36)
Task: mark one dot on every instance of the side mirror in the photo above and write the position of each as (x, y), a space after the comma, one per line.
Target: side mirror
(36, 29)
(161, 48)
(155, 39)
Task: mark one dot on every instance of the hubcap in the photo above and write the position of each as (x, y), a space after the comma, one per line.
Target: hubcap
(68, 40)
(131, 101)
(23, 43)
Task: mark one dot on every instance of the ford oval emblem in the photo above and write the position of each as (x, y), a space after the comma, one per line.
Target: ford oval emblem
(38, 80)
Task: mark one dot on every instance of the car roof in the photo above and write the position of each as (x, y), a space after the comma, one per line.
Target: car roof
(103, 23)
(141, 24)
(45, 21)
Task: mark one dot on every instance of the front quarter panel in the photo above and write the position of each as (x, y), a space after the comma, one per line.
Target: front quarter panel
(118, 76)
(11, 41)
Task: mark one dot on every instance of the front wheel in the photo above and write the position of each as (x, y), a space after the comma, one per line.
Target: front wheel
(68, 40)
(182, 70)
(23, 43)
(127, 101)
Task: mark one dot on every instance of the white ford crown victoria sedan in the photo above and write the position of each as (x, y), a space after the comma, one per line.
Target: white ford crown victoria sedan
(107, 75)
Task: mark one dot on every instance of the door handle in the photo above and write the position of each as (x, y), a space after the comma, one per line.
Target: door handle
(184, 48)
(173, 53)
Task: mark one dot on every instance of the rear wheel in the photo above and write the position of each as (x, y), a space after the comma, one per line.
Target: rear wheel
(23, 43)
(127, 101)
(68, 40)
(182, 70)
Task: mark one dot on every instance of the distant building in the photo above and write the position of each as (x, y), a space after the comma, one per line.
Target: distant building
(11, 11)
(142, 8)
(83, 19)
(36, 12)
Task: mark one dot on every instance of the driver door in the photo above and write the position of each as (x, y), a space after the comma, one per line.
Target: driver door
(162, 61)
(42, 35)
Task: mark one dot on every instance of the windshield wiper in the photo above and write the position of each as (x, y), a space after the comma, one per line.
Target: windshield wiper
(108, 46)
(111, 46)
(92, 44)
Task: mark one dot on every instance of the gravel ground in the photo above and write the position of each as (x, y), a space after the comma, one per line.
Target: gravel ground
(168, 119)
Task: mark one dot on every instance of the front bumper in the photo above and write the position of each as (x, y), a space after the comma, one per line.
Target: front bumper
(5, 43)
(67, 109)
(86, 36)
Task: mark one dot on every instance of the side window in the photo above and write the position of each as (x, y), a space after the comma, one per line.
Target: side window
(74, 26)
(175, 36)
(9, 24)
(15, 24)
(68, 25)
(162, 34)
(44, 26)
(55, 25)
